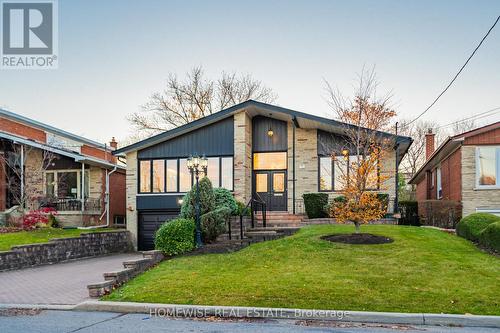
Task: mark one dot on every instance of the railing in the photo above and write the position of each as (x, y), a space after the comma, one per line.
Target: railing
(252, 205)
(71, 204)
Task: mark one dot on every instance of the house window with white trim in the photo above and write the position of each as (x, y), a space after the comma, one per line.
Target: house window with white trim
(439, 187)
(488, 167)
(66, 184)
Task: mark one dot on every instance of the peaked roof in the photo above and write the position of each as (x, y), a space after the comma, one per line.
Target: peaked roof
(301, 119)
(447, 147)
(19, 118)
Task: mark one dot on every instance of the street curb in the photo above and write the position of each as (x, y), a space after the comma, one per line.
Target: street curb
(38, 306)
(177, 310)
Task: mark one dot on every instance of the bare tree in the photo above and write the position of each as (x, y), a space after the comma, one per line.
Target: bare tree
(183, 101)
(462, 126)
(366, 115)
(21, 181)
(415, 156)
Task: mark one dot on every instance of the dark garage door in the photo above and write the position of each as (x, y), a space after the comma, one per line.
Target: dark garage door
(149, 222)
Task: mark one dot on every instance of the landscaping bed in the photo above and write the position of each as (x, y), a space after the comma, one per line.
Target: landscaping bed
(423, 270)
(361, 238)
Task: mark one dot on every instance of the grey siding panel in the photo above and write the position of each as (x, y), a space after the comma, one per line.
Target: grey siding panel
(212, 140)
(329, 143)
(158, 202)
(262, 141)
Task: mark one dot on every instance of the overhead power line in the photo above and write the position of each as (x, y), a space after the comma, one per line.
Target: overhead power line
(456, 75)
(474, 117)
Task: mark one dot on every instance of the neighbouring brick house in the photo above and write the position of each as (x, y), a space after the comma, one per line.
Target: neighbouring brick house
(254, 150)
(41, 165)
(464, 169)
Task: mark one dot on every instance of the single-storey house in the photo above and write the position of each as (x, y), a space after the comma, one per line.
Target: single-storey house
(465, 168)
(41, 165)
(252, 148)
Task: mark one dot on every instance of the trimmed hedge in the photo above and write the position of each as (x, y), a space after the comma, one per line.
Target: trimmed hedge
(224, 198)
(315, 204)
(214, 223)
(409, 213)
(490, 236)
(175, 236)
(471, 226)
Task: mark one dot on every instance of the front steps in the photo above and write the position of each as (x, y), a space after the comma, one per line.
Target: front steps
(279, 219)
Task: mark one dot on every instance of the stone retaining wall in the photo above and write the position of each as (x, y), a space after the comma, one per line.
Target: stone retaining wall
(63, 249)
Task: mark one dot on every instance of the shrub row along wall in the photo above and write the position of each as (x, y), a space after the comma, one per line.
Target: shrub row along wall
(440, 213)
(63, 249)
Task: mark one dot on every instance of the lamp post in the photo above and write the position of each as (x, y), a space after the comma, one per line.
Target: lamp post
(195, 164)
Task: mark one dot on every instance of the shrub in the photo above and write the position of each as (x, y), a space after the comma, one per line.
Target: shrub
(490, 236)
(340, 198)
(207, 199)
(440, 213)
(409, 213)
(224, 198)
(214, 223)
(471, 226)
(314, 204)
(175, 236)
(241, 207)
(38, 218)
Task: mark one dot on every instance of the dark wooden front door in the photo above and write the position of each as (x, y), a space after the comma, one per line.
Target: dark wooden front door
(270, 186)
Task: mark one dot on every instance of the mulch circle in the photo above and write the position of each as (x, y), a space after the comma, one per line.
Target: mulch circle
(361, 238)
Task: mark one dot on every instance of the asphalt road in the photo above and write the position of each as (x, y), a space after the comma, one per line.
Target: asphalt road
(70, 321)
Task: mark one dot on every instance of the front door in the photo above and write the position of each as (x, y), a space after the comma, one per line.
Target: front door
(270, 186)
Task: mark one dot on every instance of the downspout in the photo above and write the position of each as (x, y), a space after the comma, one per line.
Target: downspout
(293, 165)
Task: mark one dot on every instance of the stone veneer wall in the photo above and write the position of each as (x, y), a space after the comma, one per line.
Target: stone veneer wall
(473, 198)
(131, 193)
(242, 157)
(63, 249)
(306, 163)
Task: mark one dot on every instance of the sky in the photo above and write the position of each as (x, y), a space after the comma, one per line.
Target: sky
(114, 54)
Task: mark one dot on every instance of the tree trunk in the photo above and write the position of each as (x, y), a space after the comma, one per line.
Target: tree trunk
(357, 225)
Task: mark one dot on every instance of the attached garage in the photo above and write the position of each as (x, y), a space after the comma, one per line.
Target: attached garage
(149, 222)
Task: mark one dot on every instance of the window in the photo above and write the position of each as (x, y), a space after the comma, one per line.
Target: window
(334, 172)
(269, 161)
(325, 173)
(184, 176)
(158, 176)
(171, 175)
(487, 167)
(66, 184)
(439, 187)
(278, 182)
(227, 173)
(145, 175)
(261, 182)
(213, 171)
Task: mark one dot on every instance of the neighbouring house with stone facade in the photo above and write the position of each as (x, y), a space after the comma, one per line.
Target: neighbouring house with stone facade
(465, 168)
(253, 149)
(43, 166)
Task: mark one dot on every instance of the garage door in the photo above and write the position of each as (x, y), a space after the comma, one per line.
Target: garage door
(149, 222)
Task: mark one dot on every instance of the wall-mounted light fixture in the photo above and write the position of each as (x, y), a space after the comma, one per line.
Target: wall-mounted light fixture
(270, 132)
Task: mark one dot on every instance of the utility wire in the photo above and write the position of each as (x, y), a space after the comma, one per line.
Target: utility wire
(474, 117)
(456, 75)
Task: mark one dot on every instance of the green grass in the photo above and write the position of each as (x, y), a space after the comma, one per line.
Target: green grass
(43, 235)
(423, 270)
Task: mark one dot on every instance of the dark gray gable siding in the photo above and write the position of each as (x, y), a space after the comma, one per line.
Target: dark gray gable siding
(212, 140)
(262, 141)
(330, 143)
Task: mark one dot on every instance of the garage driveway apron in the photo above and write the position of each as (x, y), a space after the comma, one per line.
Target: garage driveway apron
(62, 283)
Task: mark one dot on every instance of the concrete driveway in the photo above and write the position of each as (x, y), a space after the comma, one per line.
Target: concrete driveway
(63, 283)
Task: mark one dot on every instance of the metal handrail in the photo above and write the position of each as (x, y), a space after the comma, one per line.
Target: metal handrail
(250, 205)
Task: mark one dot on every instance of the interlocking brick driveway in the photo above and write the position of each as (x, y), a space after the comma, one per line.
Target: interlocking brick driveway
(63, 283)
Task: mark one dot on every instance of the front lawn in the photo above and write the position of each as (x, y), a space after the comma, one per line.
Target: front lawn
(42, 235)
(423, 270)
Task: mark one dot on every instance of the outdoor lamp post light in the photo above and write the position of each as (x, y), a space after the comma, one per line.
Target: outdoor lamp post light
(195, 165)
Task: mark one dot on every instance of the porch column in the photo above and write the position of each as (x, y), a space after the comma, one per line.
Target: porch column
(82, 188)
(22, 176)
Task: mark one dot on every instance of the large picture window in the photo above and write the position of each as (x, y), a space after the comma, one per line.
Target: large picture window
(334, 172)
(66, 184)
(488, 167)
(173, 176)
